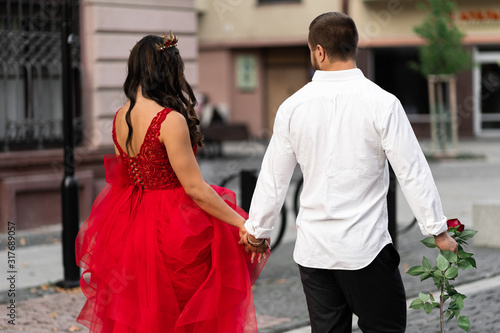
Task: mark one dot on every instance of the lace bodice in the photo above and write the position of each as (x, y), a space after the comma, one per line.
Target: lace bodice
(150, 168)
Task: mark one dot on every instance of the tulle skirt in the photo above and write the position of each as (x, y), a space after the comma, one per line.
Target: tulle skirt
(153, 261)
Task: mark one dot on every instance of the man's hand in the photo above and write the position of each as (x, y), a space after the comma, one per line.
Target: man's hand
(446, 243)
(254, 250)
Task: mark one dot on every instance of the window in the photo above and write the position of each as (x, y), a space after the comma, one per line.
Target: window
(393, 73)
(30, 75)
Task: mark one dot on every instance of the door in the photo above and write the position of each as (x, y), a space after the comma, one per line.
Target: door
(287, 70)
(487, 93)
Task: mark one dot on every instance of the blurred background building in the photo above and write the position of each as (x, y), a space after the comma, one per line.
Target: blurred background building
(244, 56)
(31, 158)
(253, 54)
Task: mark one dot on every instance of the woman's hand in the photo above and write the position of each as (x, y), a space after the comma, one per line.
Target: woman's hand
(255, 246)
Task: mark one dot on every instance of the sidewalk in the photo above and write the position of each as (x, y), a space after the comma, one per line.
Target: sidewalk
(279, 299)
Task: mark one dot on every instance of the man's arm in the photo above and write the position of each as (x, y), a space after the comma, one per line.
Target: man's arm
(414, 175)
(412, 170)
(274, 178)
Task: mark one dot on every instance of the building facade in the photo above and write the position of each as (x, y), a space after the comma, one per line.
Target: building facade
(386, 30)
(246, 56)
(31, 160)
(254, 54)
(265, 41)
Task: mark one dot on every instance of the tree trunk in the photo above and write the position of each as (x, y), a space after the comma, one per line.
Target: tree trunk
(443, 115)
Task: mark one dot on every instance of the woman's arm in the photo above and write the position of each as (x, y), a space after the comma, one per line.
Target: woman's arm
(175, 136)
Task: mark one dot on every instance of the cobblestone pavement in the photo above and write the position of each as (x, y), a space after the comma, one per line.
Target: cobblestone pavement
(280, 294)
(482, 309)
(279, 299)
(52, 312)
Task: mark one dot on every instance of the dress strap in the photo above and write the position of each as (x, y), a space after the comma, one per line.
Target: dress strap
(155, 126)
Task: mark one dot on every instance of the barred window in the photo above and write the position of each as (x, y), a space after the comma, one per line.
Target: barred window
(30, 74)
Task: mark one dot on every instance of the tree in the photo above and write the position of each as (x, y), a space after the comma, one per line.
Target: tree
(440, 59)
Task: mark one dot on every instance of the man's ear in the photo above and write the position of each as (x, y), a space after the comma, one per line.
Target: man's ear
(321, 53)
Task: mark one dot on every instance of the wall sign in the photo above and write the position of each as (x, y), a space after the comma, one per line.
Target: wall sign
(479, 15)
(246, 72)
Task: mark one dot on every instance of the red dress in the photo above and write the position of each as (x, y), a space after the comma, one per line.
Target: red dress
(153, 261)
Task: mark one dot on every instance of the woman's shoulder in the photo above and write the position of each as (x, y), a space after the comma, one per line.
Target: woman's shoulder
(174, 125)
(173, 120)
(174, 114)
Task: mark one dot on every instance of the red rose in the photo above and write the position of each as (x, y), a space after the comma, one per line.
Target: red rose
(453, 223)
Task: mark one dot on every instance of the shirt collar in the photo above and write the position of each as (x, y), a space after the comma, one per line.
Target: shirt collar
(348, 74)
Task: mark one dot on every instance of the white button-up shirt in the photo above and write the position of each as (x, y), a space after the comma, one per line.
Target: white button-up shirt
(342, 128)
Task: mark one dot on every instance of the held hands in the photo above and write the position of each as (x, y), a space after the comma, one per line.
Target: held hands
(253, 245)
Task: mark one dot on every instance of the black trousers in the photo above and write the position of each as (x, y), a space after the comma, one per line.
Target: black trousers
(375, 294)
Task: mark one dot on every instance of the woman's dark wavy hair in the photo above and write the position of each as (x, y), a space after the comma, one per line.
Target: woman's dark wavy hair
(160, 74)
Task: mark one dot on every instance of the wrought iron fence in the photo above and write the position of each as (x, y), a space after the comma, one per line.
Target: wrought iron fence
(30, 74)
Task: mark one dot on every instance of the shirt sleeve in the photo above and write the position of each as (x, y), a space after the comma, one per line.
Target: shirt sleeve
(412, 170)
(273, 181)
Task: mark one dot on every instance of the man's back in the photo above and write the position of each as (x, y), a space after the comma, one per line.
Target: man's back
(335, 130)
(342, 128)
(335, 126)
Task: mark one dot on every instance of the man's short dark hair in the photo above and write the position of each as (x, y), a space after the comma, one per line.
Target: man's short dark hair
(337, 34)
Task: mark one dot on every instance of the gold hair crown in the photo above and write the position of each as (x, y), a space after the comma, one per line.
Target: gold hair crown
(168, 41)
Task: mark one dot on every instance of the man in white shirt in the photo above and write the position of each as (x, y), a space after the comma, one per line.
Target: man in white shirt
(343, 129)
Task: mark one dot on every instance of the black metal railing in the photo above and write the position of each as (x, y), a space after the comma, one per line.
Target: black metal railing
(30, 74)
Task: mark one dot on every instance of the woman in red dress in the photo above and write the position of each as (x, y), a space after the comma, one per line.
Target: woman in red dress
(155, 251)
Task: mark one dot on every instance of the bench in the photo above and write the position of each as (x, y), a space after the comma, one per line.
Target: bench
(217, 133)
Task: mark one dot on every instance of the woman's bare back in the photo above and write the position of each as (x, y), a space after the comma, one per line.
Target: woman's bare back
(141, 116)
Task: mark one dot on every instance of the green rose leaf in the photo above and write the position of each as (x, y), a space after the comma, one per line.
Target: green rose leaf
(426, 264)
(451, 291)
(423, 297)
(451, 273)
(428, 307)
(455, 309)
(429, 242)
(464, 323)
(458, 295)
(465, 264)
(442, 263)
(416, 270)
(463, 254)
(417, 304)
(467, 234)
(425, 276)
(472, 262)
(438, 282)
(452, 257)
(452, 315)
